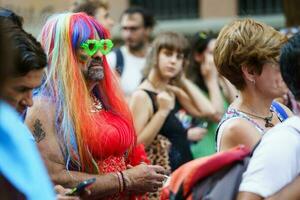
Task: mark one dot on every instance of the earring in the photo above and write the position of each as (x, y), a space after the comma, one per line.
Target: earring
(253, 81)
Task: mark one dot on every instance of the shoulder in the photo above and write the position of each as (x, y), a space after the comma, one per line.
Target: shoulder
(42, 108)
(238, 131)
(140, 97)
(284, 133)
(40, 117)
(284, 142)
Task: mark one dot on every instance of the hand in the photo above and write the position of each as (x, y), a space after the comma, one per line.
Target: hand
(165, 101)
(144, 178)
(62, 193)
(208, 68)
(196, 133)
(174, 89)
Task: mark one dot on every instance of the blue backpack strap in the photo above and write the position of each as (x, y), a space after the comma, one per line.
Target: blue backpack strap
(279, 110)
(120, 61)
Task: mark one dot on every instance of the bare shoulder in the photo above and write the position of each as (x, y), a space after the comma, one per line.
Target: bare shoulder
(40, 118)
(239, 131)
(140, 99)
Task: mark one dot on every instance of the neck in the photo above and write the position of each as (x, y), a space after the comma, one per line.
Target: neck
(253, 103)
(157, 81)
(141, 52)
(90, 86)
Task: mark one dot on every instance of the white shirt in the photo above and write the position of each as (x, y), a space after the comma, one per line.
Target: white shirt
(276, 161)
(132, 72)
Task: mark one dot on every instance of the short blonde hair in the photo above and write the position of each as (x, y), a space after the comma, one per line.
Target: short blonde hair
(249, 43)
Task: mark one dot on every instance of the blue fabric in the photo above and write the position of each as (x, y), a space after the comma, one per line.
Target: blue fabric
(279, 110)
(20, 161)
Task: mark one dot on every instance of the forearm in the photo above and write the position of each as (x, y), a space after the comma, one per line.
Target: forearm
(105, 185)
(200, 101)
(147, 135)
(228, 89)
(290, 192)
(215, 96)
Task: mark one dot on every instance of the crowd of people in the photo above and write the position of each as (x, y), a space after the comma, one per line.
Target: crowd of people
(76, 107)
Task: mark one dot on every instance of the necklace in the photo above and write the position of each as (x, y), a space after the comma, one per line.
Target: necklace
(268, 119)
(97, 105)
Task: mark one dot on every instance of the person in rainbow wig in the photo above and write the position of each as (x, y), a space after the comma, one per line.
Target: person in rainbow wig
(80, 114)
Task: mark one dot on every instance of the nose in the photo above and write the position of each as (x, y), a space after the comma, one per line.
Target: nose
(27, 101)
(174, 58)
(126, 33)
(97, 56)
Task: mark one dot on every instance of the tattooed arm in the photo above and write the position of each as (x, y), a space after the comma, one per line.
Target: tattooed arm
(140, 179)
(38, 132)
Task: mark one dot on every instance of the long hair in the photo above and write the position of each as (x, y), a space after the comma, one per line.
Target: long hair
(171, 41)
(65, 87)
(199, 44)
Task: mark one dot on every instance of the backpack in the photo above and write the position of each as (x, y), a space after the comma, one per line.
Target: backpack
(120, 61)
(214, 177)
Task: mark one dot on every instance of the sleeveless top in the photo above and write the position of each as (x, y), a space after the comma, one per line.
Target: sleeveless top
(174, 130)
(232, 114)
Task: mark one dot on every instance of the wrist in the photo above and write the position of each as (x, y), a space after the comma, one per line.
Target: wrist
(126, 181)
(163, 112)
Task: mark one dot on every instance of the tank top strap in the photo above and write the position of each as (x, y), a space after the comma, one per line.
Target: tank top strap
(234, 113)
(152, 95)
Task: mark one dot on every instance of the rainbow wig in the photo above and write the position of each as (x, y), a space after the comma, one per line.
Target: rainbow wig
(109, 132)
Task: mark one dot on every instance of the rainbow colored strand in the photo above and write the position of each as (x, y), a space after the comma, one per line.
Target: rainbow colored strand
(65, 87)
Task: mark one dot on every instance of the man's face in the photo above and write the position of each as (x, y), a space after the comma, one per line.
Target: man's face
(134, 33)
(91, 66)
(103, 17)
(18, 90)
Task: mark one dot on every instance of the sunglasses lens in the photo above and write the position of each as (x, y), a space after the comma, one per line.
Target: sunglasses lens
(91, 46)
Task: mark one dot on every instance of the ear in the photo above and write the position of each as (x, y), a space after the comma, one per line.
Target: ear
(248, 74)
(199, 57)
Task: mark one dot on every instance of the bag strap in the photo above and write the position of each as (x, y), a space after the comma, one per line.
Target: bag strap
(120, 61)
(280, 111)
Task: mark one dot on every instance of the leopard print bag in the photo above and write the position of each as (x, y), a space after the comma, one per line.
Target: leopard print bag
(158, 154)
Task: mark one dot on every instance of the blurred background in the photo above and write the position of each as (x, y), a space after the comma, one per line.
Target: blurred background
(185, 16)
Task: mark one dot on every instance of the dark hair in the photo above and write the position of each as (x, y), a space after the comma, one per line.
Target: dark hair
(148, 18)
(29, 53)
(199, 43)
(290, 64)
(90, 7)
(6, 55)
(6, 14)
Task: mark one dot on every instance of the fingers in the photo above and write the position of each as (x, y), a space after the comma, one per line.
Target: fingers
(62, 197)
(158, 169)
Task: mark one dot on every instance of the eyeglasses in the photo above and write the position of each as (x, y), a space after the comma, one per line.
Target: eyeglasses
(91, 47)
(131, 28)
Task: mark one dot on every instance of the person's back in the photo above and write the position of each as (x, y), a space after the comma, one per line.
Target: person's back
(275, 163)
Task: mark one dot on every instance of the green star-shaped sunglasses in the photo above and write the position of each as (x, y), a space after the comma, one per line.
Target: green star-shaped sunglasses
(91, 47)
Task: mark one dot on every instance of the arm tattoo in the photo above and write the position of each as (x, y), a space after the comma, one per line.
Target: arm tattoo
(38, 132)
